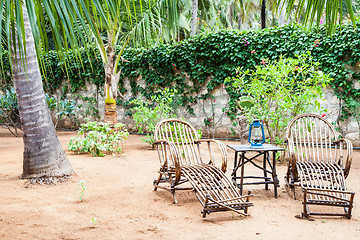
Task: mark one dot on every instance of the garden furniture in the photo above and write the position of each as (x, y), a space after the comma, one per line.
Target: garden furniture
(241, 150)
(319, 162)
(181, 161)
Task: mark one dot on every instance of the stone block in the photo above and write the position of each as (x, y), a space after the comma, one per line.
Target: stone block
(225, 121)
(217, 92)
(356, 84)
(334, 101)
(352, 126)
(353, 136)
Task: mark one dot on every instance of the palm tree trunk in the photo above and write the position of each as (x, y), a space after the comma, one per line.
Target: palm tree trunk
(282, 12)
(43, 153)
(194, 17)
(111, 83)
(239, 22)
(263, 14)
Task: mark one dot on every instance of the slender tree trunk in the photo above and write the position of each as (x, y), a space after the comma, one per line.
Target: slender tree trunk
(282, 11)
(194, 17)
(111, 83)
(43, 153)
(263, 14)
(239, 22)
(231, 15)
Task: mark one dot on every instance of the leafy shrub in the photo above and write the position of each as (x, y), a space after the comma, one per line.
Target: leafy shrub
(9, 111)
(62, 108)
(89, 107)
(99, 139)
(147, 114)
(280, 90)
(209, 109)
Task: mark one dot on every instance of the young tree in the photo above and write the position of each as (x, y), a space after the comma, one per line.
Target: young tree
(194, 11)
(141, 20)
(43, 153)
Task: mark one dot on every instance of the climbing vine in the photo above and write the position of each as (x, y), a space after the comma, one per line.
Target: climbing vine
(207, 59)
(204, 61)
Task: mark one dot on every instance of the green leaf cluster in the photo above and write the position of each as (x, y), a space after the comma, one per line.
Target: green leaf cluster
(207, 59)
(147, 114)
(280, 90)
(99, 139)
(9, 111)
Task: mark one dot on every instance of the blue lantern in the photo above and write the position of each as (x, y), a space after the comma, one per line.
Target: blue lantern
(256, 134)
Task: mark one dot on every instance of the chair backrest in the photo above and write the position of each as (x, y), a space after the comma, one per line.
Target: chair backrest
(310, 137)
(183, 137)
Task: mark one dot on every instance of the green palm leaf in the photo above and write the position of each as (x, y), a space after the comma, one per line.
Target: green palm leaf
(312, 10)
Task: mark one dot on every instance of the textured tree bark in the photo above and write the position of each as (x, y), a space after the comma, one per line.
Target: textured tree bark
(263, 14)
(194, 11)
(239, 23)
(43, 153)
(282, 12)
(111, 83)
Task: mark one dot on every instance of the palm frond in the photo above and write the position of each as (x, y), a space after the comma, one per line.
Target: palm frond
(313, 11)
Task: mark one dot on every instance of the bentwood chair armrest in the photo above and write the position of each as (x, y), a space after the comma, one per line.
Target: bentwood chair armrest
(348, 160)
(173, 153)
(291, 151)
(222, 149)
(292, 157)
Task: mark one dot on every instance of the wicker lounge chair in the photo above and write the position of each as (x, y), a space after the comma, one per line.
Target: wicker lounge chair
(181, 161)
(319, 163)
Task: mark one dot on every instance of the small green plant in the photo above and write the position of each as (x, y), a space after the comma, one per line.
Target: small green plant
(99, 139)
(210, 121)
(89, 106)
(199, 132)
(62, 108)
(51, 102)
(279, 90)
(147, 114)
(9, 111)
(65, 108)
(93, 222)
(82, 190)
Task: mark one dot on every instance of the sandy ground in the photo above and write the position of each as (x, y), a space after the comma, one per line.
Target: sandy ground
(119, 194)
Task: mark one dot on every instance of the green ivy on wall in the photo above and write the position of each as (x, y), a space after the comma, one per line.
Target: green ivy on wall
(207, 59)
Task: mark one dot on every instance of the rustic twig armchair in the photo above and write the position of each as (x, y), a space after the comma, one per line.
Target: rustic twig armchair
(319, 163)
(180, 158)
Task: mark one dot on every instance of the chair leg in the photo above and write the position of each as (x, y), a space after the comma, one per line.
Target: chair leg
(349, 209)
(247, 200)
(305, 208)
(293, 191)
(172, 188)
(156, 182)
(174, 195)
(290, 186)
(204, 211)
(348, 212)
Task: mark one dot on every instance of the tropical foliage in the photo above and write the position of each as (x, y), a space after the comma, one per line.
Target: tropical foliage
(147, 114)
(207, 59)
(319, 10)
(9, 111)
(280, 90)
(99, 139)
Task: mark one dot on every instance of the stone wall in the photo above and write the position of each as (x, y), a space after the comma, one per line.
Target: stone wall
(203, 109)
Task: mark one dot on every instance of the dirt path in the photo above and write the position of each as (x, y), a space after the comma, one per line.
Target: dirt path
(119, 194)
